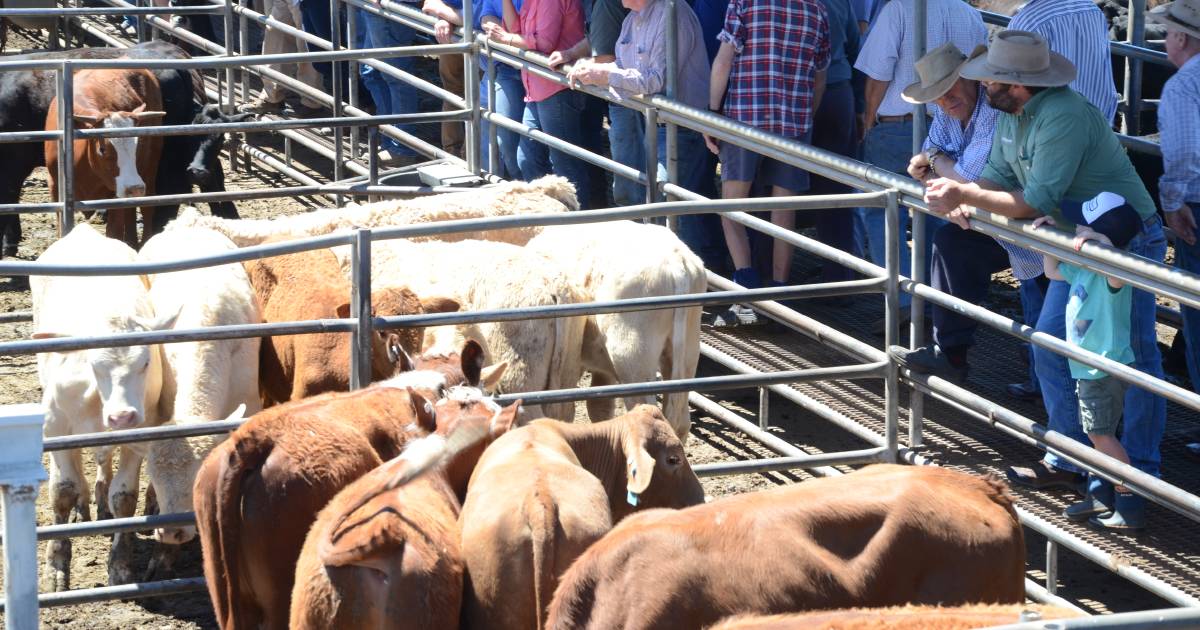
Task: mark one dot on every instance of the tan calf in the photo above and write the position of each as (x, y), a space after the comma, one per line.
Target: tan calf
(882, 536)
(542, 493)
(385, 556)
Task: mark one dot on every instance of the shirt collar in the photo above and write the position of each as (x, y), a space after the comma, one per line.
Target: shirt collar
(1194, 61)
(1031, 106)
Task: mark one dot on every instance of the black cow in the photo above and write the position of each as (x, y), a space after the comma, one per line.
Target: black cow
(25, 97)
(200, 158)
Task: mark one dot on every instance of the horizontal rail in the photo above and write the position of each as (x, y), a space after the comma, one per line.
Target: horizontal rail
(1038, 593)
(145, 434)
(776, 464)
(1141, 620)
(121, 591)
(114, 525)
(97, 11)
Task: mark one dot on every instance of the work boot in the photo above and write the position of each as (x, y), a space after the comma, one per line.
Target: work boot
(1097, 502)
(931, 359)
(1128, 514)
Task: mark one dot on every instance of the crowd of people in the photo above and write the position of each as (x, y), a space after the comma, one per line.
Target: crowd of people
(1019, 124)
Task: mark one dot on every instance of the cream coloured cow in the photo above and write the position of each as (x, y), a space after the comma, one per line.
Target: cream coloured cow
(92, 390)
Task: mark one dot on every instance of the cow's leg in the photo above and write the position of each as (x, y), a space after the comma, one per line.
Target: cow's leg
(122, 497)
(223, 209)
(68, 499)
(103, 457)
(148, 223)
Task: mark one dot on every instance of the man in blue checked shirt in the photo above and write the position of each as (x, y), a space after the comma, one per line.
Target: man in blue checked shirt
(957, 147)
(1179, 123)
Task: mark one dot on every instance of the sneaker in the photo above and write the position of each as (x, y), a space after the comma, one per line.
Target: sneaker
(262, 106)
(1042, 476)
(1097, 502)
(1128, 514)
(929, 360)
(735, 315)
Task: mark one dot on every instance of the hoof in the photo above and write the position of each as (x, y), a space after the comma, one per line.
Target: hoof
(119, 573)
(162, 562)
(55, 580)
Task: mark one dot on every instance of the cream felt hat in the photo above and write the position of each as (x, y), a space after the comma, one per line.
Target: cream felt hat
(937, 71)
(1023, 58)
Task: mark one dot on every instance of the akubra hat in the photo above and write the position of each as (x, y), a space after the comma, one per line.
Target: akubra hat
(937, 71)
(1181, 15)
(1022, 58)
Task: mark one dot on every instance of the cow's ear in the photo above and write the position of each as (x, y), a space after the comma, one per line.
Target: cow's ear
(489, 377)
(148, 117)
(505, 419)
(439, 305)
(471, 359)
(163, 322)
(44, 334)
(639, 464)
(397, 355)
(86, 118)
(426, 416)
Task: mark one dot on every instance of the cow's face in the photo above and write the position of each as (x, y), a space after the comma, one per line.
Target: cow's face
(114, 160)
(205, 162)
(657, 471)
(128, 378)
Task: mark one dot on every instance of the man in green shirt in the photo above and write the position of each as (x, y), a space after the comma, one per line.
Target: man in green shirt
(1052, 145)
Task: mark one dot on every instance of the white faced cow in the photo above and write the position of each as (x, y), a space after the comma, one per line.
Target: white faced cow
(92, 390)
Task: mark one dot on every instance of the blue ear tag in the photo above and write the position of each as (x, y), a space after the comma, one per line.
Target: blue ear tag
(631, 497)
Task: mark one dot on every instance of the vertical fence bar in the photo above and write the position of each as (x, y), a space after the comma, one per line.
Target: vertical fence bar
(891, 383)
(352, 43)
(243, 47)
(916, 400)
(21, 473)
(764, 407)
(66, 148)
(672, 90)
(493, 150)
(339, 69)
(140, 21)
(1131, 122)
(229, 80)
(360, 309)
(651, 164)
(471, 135)
(1051, 567)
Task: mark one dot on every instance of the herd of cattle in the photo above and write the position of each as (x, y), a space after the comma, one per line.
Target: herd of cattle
(420, 502)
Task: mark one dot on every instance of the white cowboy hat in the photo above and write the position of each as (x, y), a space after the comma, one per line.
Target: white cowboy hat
(1022, 58)
(1181, 15)
(937, 71)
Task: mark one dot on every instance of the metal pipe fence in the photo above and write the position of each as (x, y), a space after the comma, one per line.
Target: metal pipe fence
(1146, 275)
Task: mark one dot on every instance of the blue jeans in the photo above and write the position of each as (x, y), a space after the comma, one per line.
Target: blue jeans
(700, 232)
(510, 102)
(833, 130)
(1033, 295)
(559, 116)
(1145, 414)
(314, 16)
(626, 140)
(1187, 258)
(888, 145)
(391, 95)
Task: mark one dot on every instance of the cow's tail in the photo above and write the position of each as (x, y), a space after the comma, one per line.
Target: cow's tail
(541, 515)
(685, 341)
(220, 531)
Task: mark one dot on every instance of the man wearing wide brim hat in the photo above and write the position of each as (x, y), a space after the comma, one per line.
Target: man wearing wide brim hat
(1179, 126)
(1052, 146)
(963, 261)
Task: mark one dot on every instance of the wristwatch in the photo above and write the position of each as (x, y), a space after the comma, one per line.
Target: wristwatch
(931, 155)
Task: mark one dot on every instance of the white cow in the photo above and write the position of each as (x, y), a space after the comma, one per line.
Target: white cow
(202, 380)
(540, 353)
(620, 260)
(91, 390)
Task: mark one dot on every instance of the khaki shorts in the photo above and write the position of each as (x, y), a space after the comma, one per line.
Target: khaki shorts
(1101, 401)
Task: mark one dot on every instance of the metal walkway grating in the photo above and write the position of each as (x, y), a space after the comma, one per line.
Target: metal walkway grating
(1168, 550)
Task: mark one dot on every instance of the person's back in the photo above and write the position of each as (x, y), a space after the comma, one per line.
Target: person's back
(1077, 30)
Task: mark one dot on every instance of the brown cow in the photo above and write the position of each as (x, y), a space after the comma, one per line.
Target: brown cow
(885, 535)
(379, 557)
(257, 493)
(902, 618)
(310, 285)
(112, 167)
(542, 493)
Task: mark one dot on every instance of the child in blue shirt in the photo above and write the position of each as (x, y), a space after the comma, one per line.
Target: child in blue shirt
(1098, 316)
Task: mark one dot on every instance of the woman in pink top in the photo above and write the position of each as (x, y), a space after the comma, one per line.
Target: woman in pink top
(545, 26)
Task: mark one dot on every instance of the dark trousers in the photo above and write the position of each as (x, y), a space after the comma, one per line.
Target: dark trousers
(833, 130)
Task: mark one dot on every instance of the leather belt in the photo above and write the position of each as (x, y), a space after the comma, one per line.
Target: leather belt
(889, 119)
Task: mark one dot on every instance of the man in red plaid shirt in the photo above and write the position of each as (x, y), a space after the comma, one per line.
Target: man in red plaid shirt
(770, 74)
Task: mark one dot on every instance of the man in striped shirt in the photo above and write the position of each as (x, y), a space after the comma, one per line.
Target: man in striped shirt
(1179, 123)
(1077, 30)
(957, 147)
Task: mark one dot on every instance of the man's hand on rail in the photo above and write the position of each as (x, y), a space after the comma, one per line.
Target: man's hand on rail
(943, 195)
(442, 31)
(559, 57)
(587, 72)
(712, 145)
(496, 33)
(918, 167)
(1183, 223)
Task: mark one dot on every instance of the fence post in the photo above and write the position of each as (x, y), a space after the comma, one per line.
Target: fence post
(672, 161)
(339, 69)
(916, 400)
(471, 134)
(229, 82)
(1131, 122)
(66, 148)
(493, 149)
(1051, 567)
(21, 473)
(891, 383)
(351, 44)
(360, 309)
(651, 165)
(243, 45)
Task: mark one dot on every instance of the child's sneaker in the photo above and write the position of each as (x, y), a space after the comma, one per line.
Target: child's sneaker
(1097, 502)
(1128, 514)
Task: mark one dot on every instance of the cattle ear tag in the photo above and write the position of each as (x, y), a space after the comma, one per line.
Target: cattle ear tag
(631, 497)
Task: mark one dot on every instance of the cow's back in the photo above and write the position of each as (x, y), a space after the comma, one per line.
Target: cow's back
(886, 535)
(79, 304)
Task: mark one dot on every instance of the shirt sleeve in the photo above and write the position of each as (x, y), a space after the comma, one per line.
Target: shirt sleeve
(647, 73)
(1179, 129)
(547, 24)
(881, 51)
(1054, 159)
(1068, 271)
(734, 31)
(823, 53)
(998, 170)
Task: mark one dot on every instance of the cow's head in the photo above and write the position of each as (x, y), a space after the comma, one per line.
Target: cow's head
(206, 161)
(127, 378)
(392, 351)
(433, 375)
(115, 159)
(657, 471)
